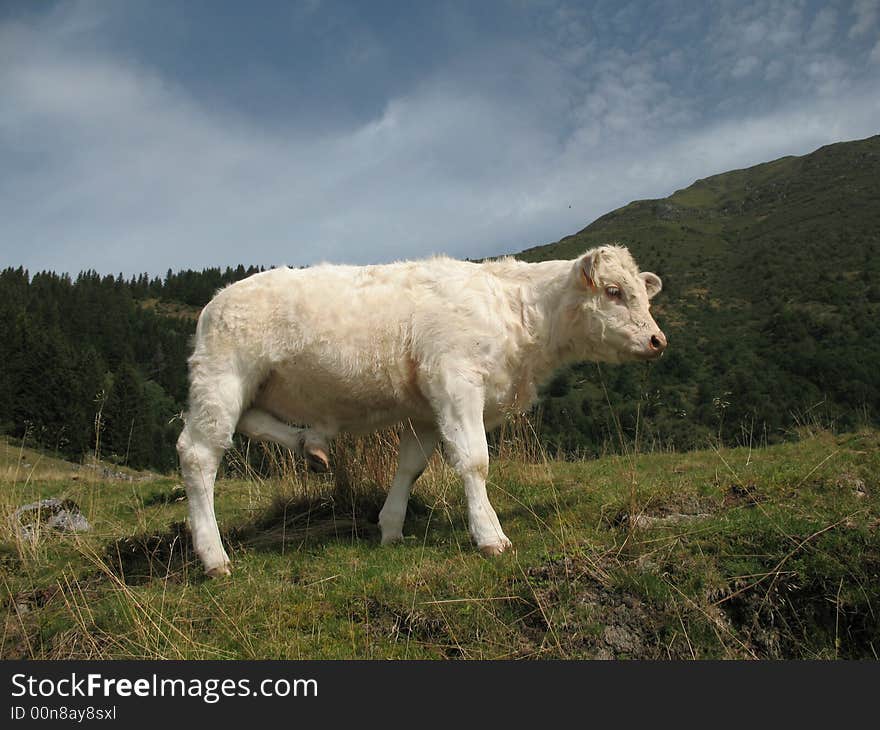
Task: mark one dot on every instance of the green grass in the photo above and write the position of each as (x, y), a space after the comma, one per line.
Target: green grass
(726, 553)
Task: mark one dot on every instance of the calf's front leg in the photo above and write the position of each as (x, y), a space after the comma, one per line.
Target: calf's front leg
(459, 408)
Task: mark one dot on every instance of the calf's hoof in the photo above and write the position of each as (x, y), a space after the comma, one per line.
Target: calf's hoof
(317, 460)
(496, 548)
(219, 571)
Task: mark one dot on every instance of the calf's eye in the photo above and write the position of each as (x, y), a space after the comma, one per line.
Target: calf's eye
(613, 292)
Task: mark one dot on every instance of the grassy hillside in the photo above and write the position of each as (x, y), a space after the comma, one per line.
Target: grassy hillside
(733, 553)
(771, 303)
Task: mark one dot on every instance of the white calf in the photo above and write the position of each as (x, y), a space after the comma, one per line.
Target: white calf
(445, 347)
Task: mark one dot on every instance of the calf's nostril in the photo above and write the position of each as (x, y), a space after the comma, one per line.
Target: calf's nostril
(658, 342)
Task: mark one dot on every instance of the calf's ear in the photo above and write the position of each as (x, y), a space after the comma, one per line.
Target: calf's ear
(586, 270)
(652, 283)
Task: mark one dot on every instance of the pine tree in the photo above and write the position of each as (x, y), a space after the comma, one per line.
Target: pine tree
(126, 431)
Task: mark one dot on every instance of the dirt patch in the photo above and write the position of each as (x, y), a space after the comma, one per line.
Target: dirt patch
(686, 508)
(389, 622)
(738, 495)
(31, 600)
(139, 559)
(798, 616)
(579, 615)
(645, 522)
(662, 515)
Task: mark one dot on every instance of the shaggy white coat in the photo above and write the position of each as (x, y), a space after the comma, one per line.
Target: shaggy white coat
(444, 346)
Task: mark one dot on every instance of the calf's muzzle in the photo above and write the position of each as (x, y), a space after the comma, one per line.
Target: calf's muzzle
(657, 343)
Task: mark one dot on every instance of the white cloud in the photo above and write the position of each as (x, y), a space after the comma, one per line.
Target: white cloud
(774, 70)
(866, 14)
(822, 29)
(109, 165)
(744, 66)
(127, 172)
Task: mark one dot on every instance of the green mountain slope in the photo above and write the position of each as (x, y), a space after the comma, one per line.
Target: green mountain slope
(771, 297)
(722, 228)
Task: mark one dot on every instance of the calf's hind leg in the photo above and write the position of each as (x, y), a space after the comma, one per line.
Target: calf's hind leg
(199, 459)
(416, 447)
(263, 426)
(217, 396)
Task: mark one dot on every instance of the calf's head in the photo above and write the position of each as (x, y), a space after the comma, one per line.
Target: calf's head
(610, 307)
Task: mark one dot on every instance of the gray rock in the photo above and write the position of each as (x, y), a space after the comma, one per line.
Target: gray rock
(853, 483)
(62, 515)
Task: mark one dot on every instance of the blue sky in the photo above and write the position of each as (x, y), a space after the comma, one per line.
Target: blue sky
(142, 136)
